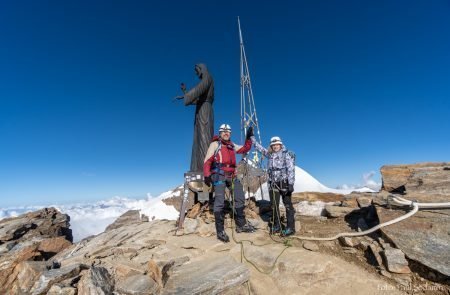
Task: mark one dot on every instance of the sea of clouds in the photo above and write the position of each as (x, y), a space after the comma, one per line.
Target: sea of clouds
(92, 218)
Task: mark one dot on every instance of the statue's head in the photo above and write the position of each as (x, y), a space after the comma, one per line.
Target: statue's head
(225, 132)
(200, 69)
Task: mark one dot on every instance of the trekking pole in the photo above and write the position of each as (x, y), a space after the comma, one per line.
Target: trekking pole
(275, 210)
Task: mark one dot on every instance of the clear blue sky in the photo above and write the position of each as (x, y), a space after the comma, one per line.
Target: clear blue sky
(86, 89)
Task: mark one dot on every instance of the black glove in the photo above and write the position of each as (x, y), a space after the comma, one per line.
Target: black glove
(208, 180)
(291, 188)
(249, 133)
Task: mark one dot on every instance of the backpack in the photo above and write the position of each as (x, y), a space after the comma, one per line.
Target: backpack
(291, 154)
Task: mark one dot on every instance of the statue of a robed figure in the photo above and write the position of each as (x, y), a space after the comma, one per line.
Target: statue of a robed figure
(202, 96)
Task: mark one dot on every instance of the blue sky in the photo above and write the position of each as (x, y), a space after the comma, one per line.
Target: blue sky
(86, 89)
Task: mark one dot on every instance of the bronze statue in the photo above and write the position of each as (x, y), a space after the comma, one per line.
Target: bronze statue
(202, 96)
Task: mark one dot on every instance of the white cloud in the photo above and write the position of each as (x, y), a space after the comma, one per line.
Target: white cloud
(92, 218)
(367, 181)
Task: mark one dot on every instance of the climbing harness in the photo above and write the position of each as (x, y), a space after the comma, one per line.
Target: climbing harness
(217, 167)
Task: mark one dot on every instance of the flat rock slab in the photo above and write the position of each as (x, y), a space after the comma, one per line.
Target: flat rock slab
(211, 275)
(337, 211)
(395, 261)
(138, 285)
(27, 273)
(129, 217)
(47, 222)
(424, 178)
(190, 226)
(375, 251)
(424, 237)
(58, 290)
(97, 281)
(298, 271)
(364, 202)
(48, 278)
(347, 242)
(316, 196)
(177, 199)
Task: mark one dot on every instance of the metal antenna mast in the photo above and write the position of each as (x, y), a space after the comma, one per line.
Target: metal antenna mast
(248, 109)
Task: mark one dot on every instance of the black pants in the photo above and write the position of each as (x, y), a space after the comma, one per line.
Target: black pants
(277, 190)
(220, 182)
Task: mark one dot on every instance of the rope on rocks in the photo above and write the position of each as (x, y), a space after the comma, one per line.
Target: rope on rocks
(241, 243)
(399, 201)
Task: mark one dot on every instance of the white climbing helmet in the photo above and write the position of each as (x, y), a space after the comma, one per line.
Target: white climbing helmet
(224, 127)
(275, 140)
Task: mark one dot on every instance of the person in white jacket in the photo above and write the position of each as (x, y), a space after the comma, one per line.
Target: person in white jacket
(281, 168)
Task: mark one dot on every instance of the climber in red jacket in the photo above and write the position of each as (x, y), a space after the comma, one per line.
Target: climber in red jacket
(219, 170)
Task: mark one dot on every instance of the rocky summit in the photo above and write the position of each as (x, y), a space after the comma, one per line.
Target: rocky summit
(26, 242)
(148, 258)
(135, 255)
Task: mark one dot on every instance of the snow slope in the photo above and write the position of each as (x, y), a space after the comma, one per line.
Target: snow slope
(305, 182)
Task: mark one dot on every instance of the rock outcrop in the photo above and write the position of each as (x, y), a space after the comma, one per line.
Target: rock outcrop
(425, 237)
(136, 256)
(177, 198)
(47, 222)
(429, 180)
(129, 217)
(26, 242)
(315, 196)
(147, 258)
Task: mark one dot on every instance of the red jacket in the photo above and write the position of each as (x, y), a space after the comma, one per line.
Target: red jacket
(226, 155)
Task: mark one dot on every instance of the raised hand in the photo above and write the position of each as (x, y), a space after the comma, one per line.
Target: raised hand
(249, 133)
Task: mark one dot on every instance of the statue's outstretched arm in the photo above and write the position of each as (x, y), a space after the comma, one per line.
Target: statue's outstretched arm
(193, 96)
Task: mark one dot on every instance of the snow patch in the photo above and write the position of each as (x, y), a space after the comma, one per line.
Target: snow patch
(316, 208)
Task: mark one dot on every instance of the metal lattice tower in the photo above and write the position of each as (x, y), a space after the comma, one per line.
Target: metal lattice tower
(248, 110)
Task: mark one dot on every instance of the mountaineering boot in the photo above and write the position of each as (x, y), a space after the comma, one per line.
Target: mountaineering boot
(287, 232)
(241, 224)
(223, 236)
(219, 221)
(275, 229)
(246, 228)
